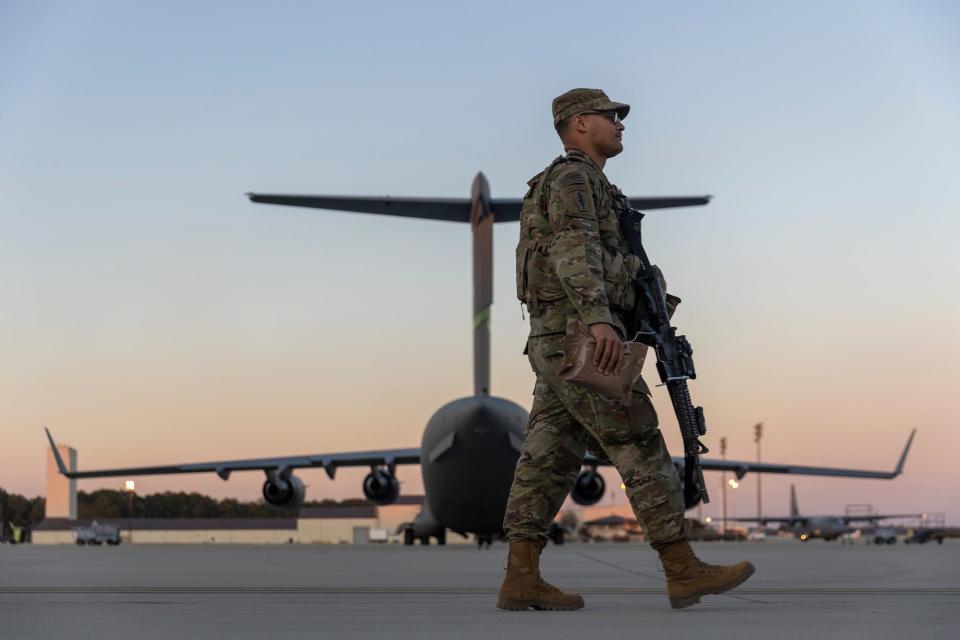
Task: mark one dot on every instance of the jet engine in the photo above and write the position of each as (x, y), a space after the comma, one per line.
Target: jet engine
(381, 487)
(589, 488)
(284, 493)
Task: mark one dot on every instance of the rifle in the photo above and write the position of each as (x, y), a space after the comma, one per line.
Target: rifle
(651, 325)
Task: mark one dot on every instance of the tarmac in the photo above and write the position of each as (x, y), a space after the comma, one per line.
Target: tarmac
(817, 589)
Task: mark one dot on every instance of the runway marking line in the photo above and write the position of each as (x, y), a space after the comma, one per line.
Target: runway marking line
(469, 590)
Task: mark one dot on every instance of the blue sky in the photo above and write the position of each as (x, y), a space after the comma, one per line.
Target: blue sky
(152, 314)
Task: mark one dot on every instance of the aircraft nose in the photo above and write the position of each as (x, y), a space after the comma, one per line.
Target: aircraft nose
(479, 427)
(475, 424)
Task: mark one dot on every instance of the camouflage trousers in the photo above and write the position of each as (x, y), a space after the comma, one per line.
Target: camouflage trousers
(565, 422)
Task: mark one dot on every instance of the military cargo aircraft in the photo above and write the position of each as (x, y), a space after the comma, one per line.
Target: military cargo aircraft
(470, 445)
(924, 535)
(827, 527)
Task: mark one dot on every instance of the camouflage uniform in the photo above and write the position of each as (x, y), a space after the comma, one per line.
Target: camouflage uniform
(572, 260)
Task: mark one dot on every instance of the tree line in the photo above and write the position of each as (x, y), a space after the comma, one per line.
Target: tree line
(20, 511)
(111, 504)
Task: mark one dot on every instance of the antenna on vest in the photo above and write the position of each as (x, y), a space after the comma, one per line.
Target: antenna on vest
(481, 228)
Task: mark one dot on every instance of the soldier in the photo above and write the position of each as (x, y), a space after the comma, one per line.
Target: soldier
(573, 261)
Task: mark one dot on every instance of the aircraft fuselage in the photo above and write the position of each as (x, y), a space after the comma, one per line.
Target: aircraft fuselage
(468, 454)
(825, 527)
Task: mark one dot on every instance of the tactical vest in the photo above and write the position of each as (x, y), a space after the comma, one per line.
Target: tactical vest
(537, 284)
(535, 237)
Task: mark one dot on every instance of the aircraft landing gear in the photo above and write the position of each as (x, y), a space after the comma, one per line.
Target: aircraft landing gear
(556, 533)
(410, 537)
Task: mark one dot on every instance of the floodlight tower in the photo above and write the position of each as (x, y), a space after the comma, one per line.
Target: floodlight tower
(757, 436)
(723, 485)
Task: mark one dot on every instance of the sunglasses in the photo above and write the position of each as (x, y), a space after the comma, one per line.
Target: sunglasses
(612, 116)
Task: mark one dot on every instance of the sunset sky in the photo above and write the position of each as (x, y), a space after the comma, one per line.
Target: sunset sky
(150, 314)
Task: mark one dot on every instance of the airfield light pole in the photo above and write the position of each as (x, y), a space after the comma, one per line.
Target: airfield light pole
(130, 488)
(757, 436)
(723, 487)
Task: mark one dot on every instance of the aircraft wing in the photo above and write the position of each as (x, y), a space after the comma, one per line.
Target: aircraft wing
(330, 462)
(762, 520)
(846, 519)
(874, 518)
(741, 468)
(448, 209)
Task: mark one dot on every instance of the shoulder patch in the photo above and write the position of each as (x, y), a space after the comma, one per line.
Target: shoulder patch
(573, 180)
(574, 187)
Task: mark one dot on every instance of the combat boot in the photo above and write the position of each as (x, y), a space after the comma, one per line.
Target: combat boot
(689, 578)
(523, 587)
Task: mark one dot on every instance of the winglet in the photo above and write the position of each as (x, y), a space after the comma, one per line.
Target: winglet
(56, 454)
(903, 456)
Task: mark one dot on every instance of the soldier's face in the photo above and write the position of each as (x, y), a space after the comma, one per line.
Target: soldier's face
(605, 133)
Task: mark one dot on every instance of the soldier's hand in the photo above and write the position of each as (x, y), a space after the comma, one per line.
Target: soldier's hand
(608, 355)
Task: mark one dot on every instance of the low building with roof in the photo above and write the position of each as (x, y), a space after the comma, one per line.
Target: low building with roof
(177, 530)
(337, 525)
(612, 527)
(323, 525)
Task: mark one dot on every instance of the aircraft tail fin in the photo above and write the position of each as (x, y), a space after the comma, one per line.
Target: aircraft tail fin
(481, 228)
(481, 212)
(448, 209)
(794, 511)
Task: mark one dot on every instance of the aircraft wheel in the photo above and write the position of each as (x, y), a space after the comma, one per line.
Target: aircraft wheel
(442, 537)
(878, 541)
(408, 537)
(80, 543)
(555, 533)
(425, 540)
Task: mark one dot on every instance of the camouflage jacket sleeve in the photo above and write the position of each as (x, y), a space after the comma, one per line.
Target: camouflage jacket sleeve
(575, 253)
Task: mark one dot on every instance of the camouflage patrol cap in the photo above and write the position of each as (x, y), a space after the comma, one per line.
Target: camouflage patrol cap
(579, 100)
